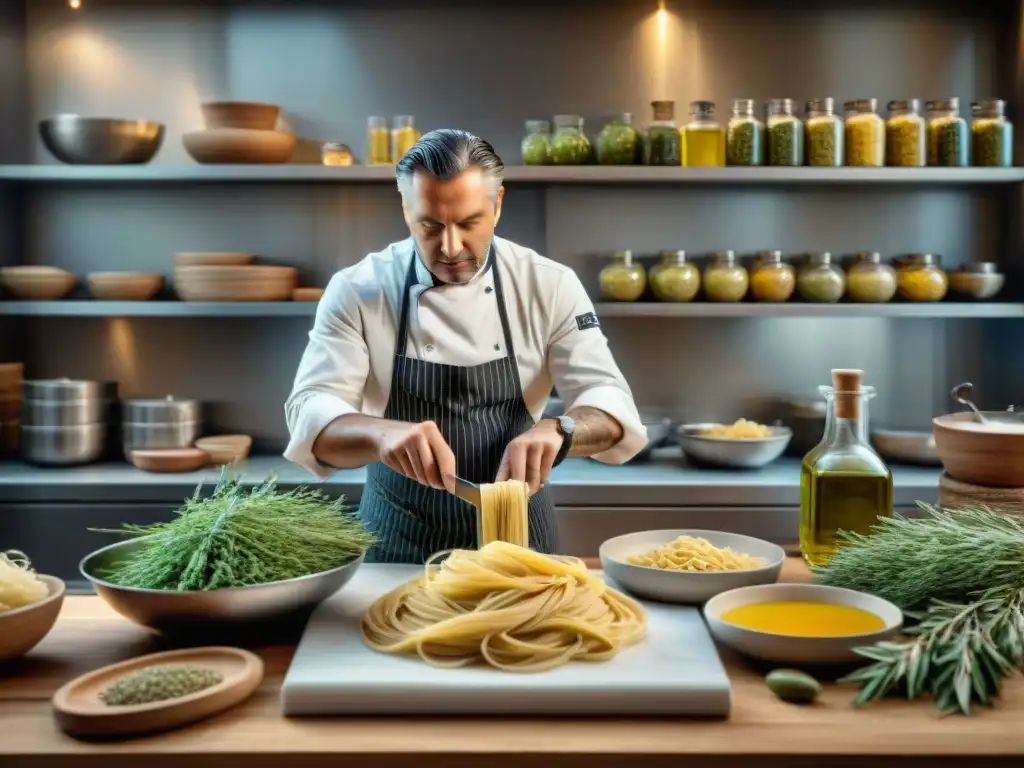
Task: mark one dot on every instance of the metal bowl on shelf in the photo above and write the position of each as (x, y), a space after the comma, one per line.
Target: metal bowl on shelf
(907, 446)
(64, 445)
(171, 612)
(81, 140)
(731, 453)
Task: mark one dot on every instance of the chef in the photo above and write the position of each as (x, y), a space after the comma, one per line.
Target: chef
(435, 357)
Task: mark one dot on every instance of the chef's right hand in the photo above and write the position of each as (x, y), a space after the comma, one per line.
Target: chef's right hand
(418, 451)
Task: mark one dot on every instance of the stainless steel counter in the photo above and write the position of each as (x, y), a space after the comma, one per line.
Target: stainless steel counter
(665, 481)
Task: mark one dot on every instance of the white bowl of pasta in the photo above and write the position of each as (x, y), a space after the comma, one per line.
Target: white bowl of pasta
(743, 445)
(689, 566)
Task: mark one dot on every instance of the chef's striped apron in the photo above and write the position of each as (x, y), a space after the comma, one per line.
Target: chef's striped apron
(479, 409)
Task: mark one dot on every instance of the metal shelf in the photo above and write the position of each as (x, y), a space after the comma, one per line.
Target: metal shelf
(277, 174)
(87, 308)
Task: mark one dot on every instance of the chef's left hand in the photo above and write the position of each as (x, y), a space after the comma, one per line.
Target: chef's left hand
(529, 457)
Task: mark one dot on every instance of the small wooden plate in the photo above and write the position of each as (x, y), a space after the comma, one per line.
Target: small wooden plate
(171, 460)
(80, 712)
(225, 449)
(307, 294)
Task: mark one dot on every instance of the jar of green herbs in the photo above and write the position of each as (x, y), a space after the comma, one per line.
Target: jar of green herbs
(865, 134)
(905, 135)
(744, 135)
(868, 280)
(663, 144)
(724, 279)
(992, 135)
(622, 279)
(536, 144)
(824, 132)
(785, 134)
(947, 134)
(618, 143)
(569, 145)
(819, 280)
(674, 278)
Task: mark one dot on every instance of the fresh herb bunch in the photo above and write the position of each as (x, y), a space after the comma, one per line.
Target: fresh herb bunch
(240, 537)
(959, 574)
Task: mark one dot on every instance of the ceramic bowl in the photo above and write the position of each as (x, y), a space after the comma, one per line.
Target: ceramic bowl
(22, 629)
(680, 586)
(990, 456)
(37, 283)
(732, 453)
(789, 649)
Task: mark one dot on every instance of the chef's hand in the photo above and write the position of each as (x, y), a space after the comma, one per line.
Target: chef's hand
(529, 457)
(418, 451)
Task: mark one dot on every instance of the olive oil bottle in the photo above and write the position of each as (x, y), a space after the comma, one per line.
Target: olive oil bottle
(844, 484)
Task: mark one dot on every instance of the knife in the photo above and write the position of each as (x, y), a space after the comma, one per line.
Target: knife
(467, 491)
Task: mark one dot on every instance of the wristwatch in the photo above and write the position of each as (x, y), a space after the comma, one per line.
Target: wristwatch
(566, 426)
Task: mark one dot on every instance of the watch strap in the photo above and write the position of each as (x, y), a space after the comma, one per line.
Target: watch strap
(563, 451)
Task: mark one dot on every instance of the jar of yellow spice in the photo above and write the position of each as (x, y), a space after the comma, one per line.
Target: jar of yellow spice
(865, 134)
(622, 279)
(404, 135)
(724, 279)
(772, 279)
(905, 135)
(674, 279)
(868, 280)
(919, 277)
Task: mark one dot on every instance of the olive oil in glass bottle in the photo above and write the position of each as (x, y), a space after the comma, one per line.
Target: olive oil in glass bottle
(844, 484)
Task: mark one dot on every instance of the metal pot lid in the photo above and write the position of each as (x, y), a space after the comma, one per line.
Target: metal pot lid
(161, 410)
(68, 389)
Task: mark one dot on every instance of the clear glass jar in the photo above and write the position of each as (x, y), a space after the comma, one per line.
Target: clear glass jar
(825, 134)
(536, 144)
(947, 134)
(663, 143)
(724, 279)
(403, 136)
(378, 141)
(744, 135)
(622, 279)
(865, 134)
(772, 279)
(992, 135)
(674, 278)
(618, 142)
(905, 135)
(869, 281)
(785, 134)
(819, 280)
(569, 145)
(919, 277)
(977, 280)
(703, 137)
(844, 484)
(336, 154)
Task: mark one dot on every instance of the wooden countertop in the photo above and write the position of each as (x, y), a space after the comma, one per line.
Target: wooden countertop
(760, 732)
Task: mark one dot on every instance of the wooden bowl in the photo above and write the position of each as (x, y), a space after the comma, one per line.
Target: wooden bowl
(22, 629)
(213, 259)
(248, 283)
(307, 294)
(973, 453)
(10, 407)
(226, 449)
(124, 286)
(171, 460)
(239, 145)
(10, 437)
(253, 115)
(11, 375)
(37, 283)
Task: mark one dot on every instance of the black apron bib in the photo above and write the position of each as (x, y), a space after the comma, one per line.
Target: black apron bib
(479, 409)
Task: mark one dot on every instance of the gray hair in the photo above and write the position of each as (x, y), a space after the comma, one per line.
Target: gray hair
(446, 153)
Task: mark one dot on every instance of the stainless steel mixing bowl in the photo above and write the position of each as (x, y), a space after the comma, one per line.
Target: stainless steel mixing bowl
(172, 612)
(99, 141)
(732, 453)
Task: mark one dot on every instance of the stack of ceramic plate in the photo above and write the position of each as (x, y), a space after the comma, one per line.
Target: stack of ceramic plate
(240, 132)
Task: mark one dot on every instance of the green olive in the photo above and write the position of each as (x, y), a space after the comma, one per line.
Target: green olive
(793, 686)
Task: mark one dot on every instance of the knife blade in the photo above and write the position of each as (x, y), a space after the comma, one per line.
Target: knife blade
(467, 491)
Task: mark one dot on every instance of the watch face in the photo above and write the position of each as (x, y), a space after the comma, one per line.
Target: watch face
(567, 424)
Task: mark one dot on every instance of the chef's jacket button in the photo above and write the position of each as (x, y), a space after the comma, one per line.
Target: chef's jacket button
(497, 347)
(488, 289)
(429, 347)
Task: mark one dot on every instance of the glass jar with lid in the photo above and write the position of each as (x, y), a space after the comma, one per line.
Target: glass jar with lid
(868, 280)
(905, 135)
(772, 279)
(947, 134)
(992, 135)
(824, 133)
(725, 279)
(536, 144)
(618, 142)
(569, 145)
(744, 135)
(703, 137)
(865, 134)
(622, 279)
(674, 278)
(819, 280)
(785, 134)
(920, 277)
(403, 136)
(663, 143)
(332, 153)
(378, 141)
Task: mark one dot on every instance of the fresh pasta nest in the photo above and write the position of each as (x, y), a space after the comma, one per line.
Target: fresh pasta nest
(696, 554)
(506, 606)
(19, 584)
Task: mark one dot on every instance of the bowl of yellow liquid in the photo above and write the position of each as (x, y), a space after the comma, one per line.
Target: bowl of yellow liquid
(801, 623)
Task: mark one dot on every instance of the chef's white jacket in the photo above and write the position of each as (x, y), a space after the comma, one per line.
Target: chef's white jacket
(348, 361)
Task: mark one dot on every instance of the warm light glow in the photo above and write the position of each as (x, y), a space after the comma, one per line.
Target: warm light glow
(75, 4)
